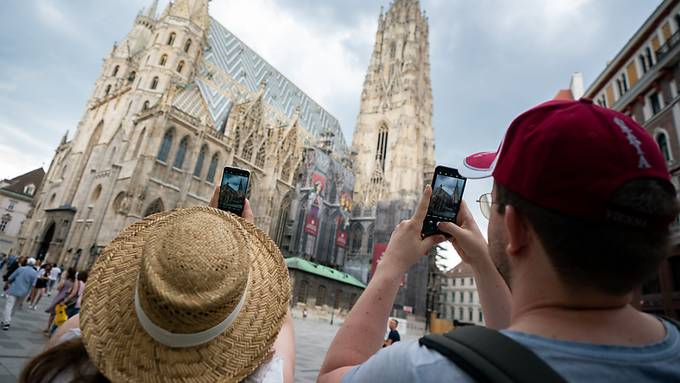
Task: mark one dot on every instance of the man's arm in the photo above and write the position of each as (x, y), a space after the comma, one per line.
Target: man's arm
(494, 294)
(361, 335)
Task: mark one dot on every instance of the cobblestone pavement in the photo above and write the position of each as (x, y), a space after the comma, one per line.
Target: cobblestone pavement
(25, 339)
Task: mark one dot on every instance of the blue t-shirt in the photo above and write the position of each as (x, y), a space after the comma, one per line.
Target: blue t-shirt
(575, 361)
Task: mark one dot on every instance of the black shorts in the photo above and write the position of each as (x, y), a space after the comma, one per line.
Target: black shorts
(41, 283)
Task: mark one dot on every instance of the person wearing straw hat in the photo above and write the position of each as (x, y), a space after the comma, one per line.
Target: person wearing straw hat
(189, 295)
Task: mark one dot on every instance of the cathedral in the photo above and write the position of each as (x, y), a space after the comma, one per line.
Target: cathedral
(180, 97)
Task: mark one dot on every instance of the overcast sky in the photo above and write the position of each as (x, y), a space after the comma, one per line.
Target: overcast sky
(490, 60)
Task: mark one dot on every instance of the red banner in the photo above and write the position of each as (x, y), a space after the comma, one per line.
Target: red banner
(312, 224)
(341, 233)
(318, 182)
(378, 251)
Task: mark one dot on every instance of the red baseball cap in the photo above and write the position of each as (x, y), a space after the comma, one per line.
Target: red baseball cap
(570, 156)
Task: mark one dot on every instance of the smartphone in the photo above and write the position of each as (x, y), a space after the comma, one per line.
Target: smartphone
(447, 195)
(233, 190)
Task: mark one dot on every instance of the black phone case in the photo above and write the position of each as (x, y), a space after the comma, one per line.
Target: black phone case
(228, 209)
(430, 223)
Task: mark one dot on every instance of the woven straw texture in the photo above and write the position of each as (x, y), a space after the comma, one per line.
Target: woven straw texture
(192, 266)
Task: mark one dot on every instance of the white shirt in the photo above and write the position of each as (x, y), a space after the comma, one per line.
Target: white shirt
(54, 274)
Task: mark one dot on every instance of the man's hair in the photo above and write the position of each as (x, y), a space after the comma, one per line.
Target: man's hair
(610, 256)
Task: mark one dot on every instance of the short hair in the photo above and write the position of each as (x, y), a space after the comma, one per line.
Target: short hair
(395, 321)
(609, 256)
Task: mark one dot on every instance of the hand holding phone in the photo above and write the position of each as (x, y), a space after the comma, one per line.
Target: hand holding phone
(447, 195)
(233, 190)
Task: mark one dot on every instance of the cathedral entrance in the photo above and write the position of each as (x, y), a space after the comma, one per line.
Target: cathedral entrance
(45, 244)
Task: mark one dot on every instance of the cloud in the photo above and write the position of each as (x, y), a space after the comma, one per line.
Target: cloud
(314, 53)
(52, 16)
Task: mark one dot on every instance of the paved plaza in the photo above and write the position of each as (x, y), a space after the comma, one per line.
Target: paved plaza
(25, 339)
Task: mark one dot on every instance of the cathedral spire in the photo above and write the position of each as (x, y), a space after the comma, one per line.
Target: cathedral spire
(194, 10)
(153, 8)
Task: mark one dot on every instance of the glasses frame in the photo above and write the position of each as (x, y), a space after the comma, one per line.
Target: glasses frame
(486, 202)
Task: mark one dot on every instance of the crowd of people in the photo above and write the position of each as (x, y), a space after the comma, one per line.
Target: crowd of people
(578, 215)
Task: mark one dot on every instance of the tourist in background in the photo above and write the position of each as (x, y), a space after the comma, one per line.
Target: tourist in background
(55, 274)
(64, 291)
(40, 285)
(393, 336)
(20, 283)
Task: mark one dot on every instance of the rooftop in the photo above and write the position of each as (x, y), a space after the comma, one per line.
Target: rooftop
(322, 271)
(17, 185)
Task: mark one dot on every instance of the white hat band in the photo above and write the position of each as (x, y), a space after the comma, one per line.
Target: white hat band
(170, 339)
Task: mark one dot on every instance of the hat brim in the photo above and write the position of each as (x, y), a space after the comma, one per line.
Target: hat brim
(120, 348)
(478, 165)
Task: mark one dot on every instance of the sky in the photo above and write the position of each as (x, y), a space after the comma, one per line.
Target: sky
(490, 61)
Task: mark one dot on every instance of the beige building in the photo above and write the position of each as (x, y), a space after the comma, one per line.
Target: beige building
(179, 98)
(16, 202)
(392, 146)
(459, 300)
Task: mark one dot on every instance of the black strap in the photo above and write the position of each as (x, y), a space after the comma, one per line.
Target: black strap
(674, 322)
(489, 356)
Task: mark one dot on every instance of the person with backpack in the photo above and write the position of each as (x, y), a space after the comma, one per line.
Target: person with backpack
(579, 218)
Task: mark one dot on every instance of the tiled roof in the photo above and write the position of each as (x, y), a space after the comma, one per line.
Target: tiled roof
(323, 271)
(17, 184)
(230, 72)
(460, 270)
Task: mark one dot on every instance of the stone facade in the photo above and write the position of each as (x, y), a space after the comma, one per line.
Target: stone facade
(179, 98)
(392, 146)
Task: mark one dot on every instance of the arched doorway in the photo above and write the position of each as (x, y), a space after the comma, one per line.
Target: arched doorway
(154, 207)
(45, 243)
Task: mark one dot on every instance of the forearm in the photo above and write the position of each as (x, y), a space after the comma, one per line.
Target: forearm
(494, 294)
(362, 333)
(284, 347)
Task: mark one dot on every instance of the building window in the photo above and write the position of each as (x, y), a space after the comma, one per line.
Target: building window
(643, 63)
(132, 76)
(180, 66)
(470, 315)
(154, 83)
(4, 221)
(357, 234)
(602, 101)
(481, 317)
(662, 141)
(166, 144)
(321, 295)
(171, 38)
(338, 296)
(381, 149)
(393, 49)
(655, 103)
(261, 156)
(212, 169)
(146, 105)
(29, 189)
(156, 206)
(108, 90)
(472, 281)
(650, 57)
(199, 161)
(460, 313)
(96, 193)
(163, 60)
(302, 293)
(11, 205)
(624, 80)
(470, 295)
(139, 143)
(369, 239)
(181, 153)
(454, 281)
(247, 153)
(115, 70)
(187, 45)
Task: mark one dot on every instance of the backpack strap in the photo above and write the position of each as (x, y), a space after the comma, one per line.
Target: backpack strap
(670, 320)
(489, 356)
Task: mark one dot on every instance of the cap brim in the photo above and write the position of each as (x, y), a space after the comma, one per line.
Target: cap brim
(478, 165)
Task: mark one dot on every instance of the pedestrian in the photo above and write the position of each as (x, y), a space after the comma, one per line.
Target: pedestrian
(191, 295)
(40, 285)
(20, 283)
(393, 335)
(304, 313)
(3, 260)
(65, 291)
(579, 218)
(55, 274)
(73, 304)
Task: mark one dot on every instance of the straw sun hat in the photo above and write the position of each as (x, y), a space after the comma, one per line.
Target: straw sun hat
(190, 295)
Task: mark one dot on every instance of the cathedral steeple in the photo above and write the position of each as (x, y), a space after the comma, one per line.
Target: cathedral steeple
(153, 8)
(393, 139)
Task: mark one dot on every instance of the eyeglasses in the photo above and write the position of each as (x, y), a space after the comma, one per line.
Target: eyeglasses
(485, 203)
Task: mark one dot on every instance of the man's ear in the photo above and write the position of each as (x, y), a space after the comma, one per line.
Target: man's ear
(517, 231)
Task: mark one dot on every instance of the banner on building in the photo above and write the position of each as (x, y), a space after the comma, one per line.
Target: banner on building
(318, 182)
(312, 224)
(378, 251)
(341, 232)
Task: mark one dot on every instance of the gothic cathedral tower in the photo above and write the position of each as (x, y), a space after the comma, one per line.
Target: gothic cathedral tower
(393, 140)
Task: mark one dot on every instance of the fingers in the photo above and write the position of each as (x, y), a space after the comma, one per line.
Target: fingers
(449, 228)
(421, 210)
(215, 198)
(247, 212)
(464, 214)
(433, 240)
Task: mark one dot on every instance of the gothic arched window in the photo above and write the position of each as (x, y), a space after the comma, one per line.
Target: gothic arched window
(96, 193)
(357, 234)
(237, 139)
(369, 240)
(248, 150)
(138, 145)
(171, 38)
(381, 149)
(154, 83)
(181, 153)
(108, 89)
(393, 49)
(146, 105)
(199, 161)
(187, 45)
(260, 158)
(163, 60)
(321, 295)
(115, 70)
(662, 141)
(166, 144)
(212, 168)
(132, 76)
(180, 66)
(286, 169)
(154, 207)
(302, 293)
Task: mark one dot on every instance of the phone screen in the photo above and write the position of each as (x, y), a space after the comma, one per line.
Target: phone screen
(233, 190)
(447, 194)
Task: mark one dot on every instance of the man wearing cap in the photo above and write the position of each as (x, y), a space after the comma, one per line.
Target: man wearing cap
(578, 219)
(21, 282)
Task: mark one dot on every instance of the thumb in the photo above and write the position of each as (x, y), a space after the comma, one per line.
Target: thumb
(451, 228)
(433, 240)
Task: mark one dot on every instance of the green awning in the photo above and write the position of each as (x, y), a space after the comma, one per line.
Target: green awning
(323, 271)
